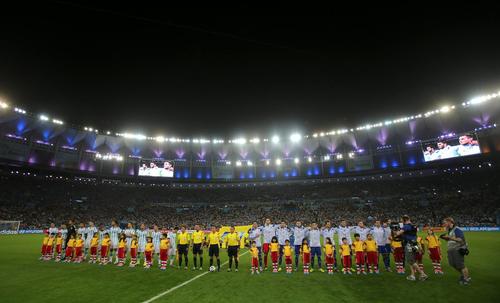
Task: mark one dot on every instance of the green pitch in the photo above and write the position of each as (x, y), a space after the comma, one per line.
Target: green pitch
(23, 278)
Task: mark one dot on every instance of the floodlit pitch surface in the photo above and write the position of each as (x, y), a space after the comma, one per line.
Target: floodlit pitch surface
(23, 278)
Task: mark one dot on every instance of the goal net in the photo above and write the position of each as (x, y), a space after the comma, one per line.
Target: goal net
(9, 227)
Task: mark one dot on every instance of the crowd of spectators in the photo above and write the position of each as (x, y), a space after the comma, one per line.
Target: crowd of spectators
(471, 198)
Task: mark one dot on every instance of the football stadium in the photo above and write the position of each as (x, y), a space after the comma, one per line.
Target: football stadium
(150, 157)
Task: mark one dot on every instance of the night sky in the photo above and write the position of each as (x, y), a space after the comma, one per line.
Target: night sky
(195, 72)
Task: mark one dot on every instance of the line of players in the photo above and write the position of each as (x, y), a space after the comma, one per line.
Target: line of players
(277, 241)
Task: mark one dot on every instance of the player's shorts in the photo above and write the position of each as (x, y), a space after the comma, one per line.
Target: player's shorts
(93, 251)
(288, 260)
(58, 248)
(398, 254)
(121, 252)
(163, 254)
(114, 244)
(197, 249)
(172, 251)
(360, 257)
(384, 249)
(316, 251)
(213, 250)
(434, 254)
(104, 251)
(133, 253)
(255, 262)
(306, 258)
(418, 257)
(157, 247)
(183, 249)
(274, 256)
(329, 259)
(265, 248)
(232, 251)
(372, 257)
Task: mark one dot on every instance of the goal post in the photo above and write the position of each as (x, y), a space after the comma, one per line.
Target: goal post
(9, 227)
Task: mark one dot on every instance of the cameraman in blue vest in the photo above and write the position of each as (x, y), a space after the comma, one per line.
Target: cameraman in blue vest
(411, 247)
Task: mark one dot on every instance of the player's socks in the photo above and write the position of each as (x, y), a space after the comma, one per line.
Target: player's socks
(201, 261)
(218, 264)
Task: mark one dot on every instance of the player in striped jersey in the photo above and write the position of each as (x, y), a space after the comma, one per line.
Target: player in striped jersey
(172, 251)
(283, 234)
(328, 232)
(64, 234)
(269, 231)
(344, 231)
(299, 234)
(141, 233)
(129, 233)
(114, 232)
(91, 230)
(156, 235)
(102, 232)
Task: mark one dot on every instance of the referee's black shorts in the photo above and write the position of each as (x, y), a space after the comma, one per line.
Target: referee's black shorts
(182, 249)
(213, 250)
(197, 249)
(232, 251)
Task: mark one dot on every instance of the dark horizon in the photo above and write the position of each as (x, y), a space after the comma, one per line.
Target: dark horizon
(153, 71)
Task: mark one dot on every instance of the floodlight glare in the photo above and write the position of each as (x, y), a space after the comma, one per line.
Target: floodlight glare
(238, 163)
(267, 162)
(327, 157)
(309, 159)
(296, 160)
(275, 139)
(44, 118)
(295, 137)
(249, 163)
(278, 162)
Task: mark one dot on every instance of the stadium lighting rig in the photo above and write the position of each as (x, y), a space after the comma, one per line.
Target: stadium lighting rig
(109, 157)
(294, 137)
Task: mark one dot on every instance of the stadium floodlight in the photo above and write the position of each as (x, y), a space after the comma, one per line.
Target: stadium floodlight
(267, 162)
(160, 139)
(339, 157)
(255, 140)
(295, 137)
(326, 157)
(228, 162)
(238, 163)
(19, 110)
(351, 155)
(249, 163)
(296, 160)
(321, 134)
(445, 109)
(43, 118)
(278, 161)
(57, 121)
(315, 135)
(275, 139)
(309, 159)
(240, 141)
(130, 136)
(3, 105)
(108, 133)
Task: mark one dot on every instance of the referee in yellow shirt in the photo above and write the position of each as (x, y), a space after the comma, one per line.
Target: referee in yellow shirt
(182, 247)
(197, 238)
(214, 241)
(233, 244)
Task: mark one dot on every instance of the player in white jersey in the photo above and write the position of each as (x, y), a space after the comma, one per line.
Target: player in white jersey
(362, 230)
(114, 232)
(141, 233)
(315, 245)
(269, 231)
(82, 230)
(156, 235)
(255, 234)
(172, 252)
(53, 229)
(381, 235)
(64, 234)
(344, 231)
(91, 230)
(299, 233)
(283, 234)
(129, 233)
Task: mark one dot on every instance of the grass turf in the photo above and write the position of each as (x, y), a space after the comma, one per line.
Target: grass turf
(26, 279)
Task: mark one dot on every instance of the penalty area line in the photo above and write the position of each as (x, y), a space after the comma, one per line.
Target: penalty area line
(166, 292)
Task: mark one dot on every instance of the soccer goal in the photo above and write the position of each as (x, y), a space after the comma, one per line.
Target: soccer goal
(9, 227)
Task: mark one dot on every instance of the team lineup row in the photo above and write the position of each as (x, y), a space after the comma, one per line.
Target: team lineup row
(278, 241)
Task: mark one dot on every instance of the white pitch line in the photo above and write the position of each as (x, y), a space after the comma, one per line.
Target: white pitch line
(166, 292)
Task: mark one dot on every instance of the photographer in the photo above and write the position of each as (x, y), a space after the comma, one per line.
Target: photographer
(457, 249)
(411, 247)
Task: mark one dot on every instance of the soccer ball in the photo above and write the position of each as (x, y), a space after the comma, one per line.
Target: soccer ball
(212, 268)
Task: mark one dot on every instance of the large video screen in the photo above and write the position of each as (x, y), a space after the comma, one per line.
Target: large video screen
(156, 168)
(451, 147)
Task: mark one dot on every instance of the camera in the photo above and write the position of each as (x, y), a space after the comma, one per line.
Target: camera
(464, 251)
(395, 226)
